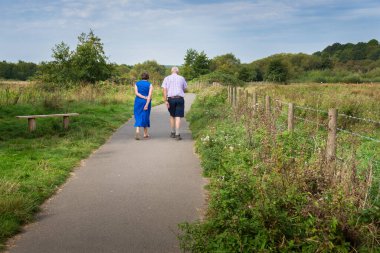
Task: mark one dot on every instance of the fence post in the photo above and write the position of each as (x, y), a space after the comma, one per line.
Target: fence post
(239, 96)
(246, 96)
(291, 117)
(254, 101)
(267, 104)
(331, 138)
(234, 96)
(228, 93)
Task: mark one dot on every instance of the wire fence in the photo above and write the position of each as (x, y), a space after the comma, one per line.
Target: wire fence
(323, 119)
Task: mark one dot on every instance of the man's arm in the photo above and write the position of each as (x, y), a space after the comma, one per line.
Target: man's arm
(165, 92)
(184, 85)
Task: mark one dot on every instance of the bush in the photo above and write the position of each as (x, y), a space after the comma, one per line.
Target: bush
(277, 72)
(219, 77)
(271, 191)
(88, 63)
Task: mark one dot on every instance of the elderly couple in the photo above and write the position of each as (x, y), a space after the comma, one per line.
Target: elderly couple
(173, 91)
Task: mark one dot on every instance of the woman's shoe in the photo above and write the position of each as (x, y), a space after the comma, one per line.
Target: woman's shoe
(146, 136)
(137, 136)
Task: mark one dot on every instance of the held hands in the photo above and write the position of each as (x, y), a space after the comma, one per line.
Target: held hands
(145, 107)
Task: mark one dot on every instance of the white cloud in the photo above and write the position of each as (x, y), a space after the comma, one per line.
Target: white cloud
(137, 30)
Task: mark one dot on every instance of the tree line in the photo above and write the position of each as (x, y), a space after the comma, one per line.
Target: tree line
(17, 71)
(351, 63)
(87, 63)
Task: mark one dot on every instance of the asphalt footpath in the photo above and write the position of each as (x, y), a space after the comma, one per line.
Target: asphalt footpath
(128, 196)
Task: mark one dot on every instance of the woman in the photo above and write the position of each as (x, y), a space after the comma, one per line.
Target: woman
(143, 91)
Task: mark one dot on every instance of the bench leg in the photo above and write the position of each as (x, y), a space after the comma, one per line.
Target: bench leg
(32, 124)
(66, 122)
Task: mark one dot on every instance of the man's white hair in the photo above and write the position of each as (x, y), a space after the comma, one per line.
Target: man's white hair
(175, 70)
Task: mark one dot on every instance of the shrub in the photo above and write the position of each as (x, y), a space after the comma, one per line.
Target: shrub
(219, 77)
(272, 191)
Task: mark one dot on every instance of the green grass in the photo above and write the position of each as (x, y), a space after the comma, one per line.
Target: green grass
(353, 99)
(271, 190)
(34, 165)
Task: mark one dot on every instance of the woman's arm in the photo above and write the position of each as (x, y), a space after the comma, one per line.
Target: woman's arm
(138, 94)
(149, 97)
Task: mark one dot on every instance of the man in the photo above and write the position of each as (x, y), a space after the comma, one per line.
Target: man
(174, 92)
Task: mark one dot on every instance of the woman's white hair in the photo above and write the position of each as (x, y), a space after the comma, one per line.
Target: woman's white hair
(175, 70)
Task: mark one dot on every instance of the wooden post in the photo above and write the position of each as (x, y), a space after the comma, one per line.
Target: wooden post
(240, 95)
(246, 96)
(32, 124)
(66, 122)
(291, 117)
(231, 95)
(254, 101)
(234, 96)
(237, 95)
(331, 138)
(267, 105)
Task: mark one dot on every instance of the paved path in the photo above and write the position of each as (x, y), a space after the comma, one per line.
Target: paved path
(128, 197)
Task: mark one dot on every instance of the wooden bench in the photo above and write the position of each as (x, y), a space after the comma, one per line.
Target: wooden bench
(32, 119)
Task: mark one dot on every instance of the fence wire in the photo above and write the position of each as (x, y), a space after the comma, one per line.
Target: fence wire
(282, 113)
(358, 135)
(361, 119)
(310, 109)
(310, 121)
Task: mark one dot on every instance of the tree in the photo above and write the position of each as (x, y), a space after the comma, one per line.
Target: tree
(196, 64)
(88, 63)
(201, 64)
(187, 69)
(250, 73)
(156, 71)
(277, 72)
(17, 71)
(89, 60)
(227, 63)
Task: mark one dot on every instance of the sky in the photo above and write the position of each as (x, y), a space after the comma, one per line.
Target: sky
(134, 31)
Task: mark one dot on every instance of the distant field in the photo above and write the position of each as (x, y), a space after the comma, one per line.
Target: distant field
(34, 165)
(353, 99)
(11, 82)
(358, 108)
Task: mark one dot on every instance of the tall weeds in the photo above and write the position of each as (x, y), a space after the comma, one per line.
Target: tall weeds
(272, 190)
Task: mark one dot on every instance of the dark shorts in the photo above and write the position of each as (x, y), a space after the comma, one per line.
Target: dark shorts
(176, 107)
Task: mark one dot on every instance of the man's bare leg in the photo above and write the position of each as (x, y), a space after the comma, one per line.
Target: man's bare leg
(172, 125)
(177, 125)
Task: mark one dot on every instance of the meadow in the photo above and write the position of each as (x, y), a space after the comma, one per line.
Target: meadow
(34, 165)
(272, 190)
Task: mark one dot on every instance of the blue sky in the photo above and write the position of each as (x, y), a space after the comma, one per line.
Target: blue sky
(137, 30)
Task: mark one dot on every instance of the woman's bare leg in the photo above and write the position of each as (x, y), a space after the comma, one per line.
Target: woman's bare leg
(137, 136)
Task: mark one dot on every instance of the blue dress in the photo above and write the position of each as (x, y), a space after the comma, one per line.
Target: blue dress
(142, 117)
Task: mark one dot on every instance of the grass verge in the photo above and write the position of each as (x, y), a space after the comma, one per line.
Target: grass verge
(34, 165)
(272, 191)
